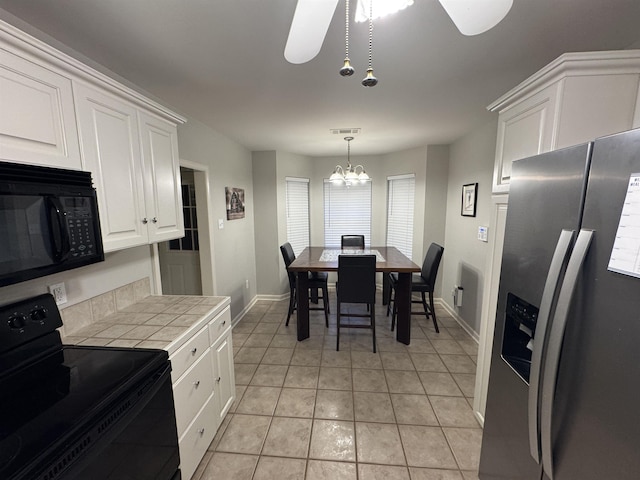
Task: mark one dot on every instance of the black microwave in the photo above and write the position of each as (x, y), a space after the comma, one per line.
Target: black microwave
(48, 221)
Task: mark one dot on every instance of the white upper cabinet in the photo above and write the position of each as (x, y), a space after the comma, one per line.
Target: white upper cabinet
(57, 111)
(37, 122)
(574, 99)
(163, 190)
(111, 151)
(133, 158)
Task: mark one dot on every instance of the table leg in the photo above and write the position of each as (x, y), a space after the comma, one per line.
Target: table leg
(386, 288)
(303, 305)
(403, 301)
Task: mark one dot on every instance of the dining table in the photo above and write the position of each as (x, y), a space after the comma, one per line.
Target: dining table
(325, 259)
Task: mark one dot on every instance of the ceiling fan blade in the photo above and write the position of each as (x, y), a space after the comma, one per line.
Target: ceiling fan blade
(473, 17)
(308, 28)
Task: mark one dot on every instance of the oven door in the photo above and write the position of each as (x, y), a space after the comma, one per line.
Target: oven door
(135, 439)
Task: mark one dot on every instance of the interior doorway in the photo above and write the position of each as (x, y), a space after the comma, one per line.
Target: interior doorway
(186, 264)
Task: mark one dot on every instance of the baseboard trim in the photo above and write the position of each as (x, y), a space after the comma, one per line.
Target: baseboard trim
(458, 319)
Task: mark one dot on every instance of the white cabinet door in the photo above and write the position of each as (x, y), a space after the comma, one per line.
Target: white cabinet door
(163, 192)
(225, 385)
(524, 130)
(111, 150)
(37, 120)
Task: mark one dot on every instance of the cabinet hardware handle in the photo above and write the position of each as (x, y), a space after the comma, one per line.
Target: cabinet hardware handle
(154, 220)
(201, 431)
(145, 221)
(193, 351)
(196, 383)
(224, 322)
(218, 379)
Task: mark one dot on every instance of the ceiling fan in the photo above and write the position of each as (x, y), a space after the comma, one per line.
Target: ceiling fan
(312, 18)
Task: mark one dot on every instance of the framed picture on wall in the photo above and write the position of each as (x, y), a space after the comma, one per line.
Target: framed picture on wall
(469, 198)
(235, 202)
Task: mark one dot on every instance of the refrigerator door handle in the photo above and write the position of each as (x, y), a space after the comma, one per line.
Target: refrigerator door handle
(556, 336)
(558, 262)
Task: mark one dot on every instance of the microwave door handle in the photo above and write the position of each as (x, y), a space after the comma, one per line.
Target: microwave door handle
(554, 346)
(59, 226)
(558, 263)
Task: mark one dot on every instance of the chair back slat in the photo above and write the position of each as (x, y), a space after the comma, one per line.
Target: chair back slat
(357, 278)
(353, 241)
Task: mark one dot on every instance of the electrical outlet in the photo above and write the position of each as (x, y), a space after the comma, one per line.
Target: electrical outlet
(59, 293)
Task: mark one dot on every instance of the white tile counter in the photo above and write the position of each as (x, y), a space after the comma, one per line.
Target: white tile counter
(196, 332)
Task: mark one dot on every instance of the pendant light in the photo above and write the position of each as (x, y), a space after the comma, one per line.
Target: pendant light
(350, 174)
(347, 70)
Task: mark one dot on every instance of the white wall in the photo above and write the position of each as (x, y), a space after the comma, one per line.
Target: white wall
(118, 269)
(265, 226)
(230, 165)
(471, 160)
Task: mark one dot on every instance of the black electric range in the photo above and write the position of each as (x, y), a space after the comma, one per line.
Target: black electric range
(80, 412)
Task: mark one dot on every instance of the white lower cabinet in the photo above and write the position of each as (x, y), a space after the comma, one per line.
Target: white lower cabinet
(203, 388)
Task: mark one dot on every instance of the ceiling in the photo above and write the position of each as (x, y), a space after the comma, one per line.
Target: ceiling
(221, 61)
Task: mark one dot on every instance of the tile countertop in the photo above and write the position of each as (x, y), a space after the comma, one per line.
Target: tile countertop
(156, 321)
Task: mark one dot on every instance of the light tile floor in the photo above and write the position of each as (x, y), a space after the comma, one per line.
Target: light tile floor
(306, 411)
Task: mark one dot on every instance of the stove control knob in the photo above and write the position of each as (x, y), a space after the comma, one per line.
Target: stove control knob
(38, 314)
(17, 321)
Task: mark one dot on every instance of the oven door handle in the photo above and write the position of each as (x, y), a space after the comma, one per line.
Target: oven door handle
(60, 232)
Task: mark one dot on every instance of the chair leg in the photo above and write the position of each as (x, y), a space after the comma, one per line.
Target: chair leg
(325, 302)
(390, 299)
(433, 312)
(338, 325)
(373, 325)
(292, 299)
(393, 316)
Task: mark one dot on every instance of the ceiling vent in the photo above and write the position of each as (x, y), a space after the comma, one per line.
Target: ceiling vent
(345, 131)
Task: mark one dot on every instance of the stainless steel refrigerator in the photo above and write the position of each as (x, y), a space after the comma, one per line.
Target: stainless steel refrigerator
(564, 386)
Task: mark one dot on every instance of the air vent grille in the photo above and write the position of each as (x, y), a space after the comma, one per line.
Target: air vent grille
(345, 131)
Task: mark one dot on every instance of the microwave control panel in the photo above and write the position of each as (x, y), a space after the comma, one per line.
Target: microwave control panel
(80, 223)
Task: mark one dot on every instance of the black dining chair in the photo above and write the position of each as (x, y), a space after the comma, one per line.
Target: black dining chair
(356, 285)
(317, 281)
(352, 241)
(423, 283)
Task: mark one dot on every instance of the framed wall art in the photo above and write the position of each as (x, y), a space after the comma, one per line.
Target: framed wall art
(469, 198)
(235, 202)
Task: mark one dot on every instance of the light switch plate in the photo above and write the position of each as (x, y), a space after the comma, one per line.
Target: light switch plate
(220, 223)
(483, 234)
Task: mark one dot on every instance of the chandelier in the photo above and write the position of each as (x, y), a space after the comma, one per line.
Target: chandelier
(350, 174)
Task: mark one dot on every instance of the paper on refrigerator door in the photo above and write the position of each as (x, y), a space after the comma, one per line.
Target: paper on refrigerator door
(625, 256)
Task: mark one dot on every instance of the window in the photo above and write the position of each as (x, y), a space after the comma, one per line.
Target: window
(190, 239)
(347, 211)
(400, 201)
(297, 201)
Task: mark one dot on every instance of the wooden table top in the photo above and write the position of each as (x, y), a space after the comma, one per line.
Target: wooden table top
(395, 261)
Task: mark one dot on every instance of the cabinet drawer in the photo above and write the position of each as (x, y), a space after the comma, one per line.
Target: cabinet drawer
(192, 390)
(219, 325)
(195, 441)
(188, 354)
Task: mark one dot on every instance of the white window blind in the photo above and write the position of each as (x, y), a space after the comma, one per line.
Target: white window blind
(297, 200)
(400, 202)
(347, 211)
